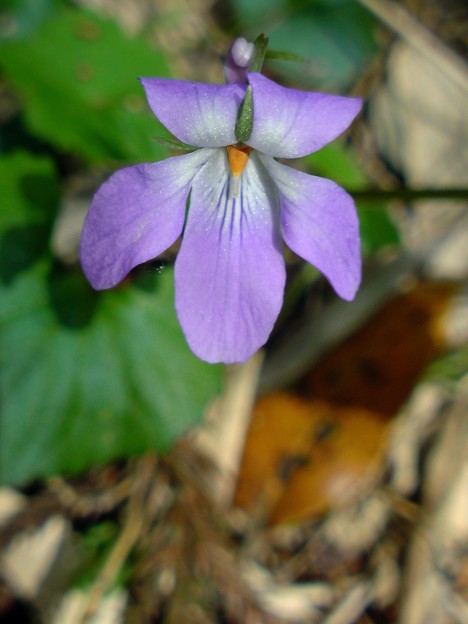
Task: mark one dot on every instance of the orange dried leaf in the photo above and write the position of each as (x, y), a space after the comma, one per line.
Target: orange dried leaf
(378, 367)
(301, 457)
(304, 456)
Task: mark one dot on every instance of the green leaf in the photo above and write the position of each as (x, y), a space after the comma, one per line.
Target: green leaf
(77, 75)
(340, 164)
(377, 228)
(84, 376)
(111, 380)
(30, 197)
(285, 56)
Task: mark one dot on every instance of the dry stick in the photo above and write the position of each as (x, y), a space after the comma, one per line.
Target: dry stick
(113, 564)
(127, 540)
(223, 440)
(420, 38)
(85, 504)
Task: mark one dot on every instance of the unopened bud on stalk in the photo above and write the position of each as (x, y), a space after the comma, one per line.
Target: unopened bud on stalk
(238, 60)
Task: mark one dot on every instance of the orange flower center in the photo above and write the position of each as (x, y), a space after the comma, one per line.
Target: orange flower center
(237, 158)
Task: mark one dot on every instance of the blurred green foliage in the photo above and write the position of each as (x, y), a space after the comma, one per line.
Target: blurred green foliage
(77, 76)
(84, 376)
(96, 545)
(20, 18)
(337, 36)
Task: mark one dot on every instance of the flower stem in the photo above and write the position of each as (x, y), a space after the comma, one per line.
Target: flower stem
(409, 194)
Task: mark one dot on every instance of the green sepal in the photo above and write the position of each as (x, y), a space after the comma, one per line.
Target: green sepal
(260, 43)
(285, 56)
(244, 121)
(174, 144)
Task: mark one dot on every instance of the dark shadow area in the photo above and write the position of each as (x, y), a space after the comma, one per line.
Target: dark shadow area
(20, 248)
(71, 297)
(23, 245)
(145, 276)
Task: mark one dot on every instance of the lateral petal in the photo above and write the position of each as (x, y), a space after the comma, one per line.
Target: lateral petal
(289, 123)
(136, 215)
(320, 224)
(230, 273)
(203, 115)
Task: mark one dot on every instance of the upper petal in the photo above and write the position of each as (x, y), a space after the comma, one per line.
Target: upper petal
(200, 114)
(230, 272)
(320, 224)
(134, 216)
(289, 123)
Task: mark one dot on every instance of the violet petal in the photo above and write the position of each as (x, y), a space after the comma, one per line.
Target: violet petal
(203, 115)
(134, 216)
(230, 273)
(320, 224)
(289, 123)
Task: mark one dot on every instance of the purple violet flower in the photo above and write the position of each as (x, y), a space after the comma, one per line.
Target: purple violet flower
(230, 272)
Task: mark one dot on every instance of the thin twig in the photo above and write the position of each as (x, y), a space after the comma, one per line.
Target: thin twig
(223, 440)
(132, 530)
